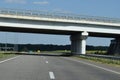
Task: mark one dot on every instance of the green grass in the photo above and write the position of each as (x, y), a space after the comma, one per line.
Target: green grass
(101, 60)
(6, 55)
(96, 52)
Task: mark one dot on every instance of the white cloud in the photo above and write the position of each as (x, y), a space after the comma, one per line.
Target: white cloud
(16, 1)
(41, 2)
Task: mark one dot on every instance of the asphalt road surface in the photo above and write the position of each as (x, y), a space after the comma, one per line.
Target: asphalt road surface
(53, 67)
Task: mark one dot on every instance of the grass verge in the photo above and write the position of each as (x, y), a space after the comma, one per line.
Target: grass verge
(6, 55)
(101, 60)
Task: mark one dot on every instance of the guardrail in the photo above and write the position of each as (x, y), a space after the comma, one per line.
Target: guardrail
(103, 56)
(57, 15)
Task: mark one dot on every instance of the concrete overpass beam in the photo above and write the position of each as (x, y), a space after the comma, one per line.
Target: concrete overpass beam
(78, 43)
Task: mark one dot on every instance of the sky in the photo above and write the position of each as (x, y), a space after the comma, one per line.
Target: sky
(106, 8)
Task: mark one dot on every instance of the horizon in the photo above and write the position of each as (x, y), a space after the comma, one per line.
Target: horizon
(49, 44)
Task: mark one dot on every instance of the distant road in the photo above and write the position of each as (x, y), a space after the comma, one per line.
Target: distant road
(53, 67)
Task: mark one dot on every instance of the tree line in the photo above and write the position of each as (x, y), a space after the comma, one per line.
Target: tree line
(47, 47)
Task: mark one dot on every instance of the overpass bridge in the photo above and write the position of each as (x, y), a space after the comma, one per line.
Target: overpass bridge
(78, 26)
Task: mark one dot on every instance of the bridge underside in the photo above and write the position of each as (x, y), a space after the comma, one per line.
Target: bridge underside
(59, 32)
(38, 31)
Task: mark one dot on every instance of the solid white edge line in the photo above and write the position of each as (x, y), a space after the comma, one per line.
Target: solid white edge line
(93, 65)
(51, 74)
(8, 59)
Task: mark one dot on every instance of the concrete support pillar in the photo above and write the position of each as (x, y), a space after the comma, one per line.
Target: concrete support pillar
(78, 43)
(114, 48)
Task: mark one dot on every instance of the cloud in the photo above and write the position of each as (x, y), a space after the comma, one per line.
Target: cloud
(16, 1)
(41, 2)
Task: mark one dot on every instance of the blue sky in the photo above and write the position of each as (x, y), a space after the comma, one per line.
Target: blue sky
(108, 8)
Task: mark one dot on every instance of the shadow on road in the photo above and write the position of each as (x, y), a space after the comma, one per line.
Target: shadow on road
(48, 54)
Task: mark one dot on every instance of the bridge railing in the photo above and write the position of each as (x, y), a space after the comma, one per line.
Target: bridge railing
(56, 15)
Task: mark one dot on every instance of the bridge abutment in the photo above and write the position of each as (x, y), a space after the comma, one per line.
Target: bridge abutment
(114, 47)
(78, 43)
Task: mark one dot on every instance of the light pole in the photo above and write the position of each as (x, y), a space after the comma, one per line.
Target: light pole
(5, 41)
(15, 42)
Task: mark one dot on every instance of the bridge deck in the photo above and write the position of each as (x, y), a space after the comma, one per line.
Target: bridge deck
(60, 17)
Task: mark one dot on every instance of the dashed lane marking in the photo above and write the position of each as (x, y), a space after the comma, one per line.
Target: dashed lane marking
(51, 74)
(46, 61)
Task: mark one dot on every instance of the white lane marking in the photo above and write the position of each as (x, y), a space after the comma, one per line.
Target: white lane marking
(51, 74)
(9, 59)
(46, 61)
(93, 65)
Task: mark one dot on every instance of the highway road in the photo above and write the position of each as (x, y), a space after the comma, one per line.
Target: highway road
(51, 67)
